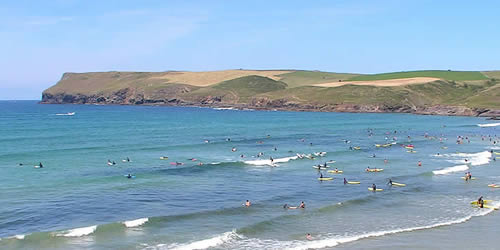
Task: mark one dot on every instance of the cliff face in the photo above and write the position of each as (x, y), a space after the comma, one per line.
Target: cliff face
(259, 92)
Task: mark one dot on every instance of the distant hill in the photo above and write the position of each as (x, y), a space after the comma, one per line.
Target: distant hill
(425, 92)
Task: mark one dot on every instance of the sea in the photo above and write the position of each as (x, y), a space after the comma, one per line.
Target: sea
(192, 169)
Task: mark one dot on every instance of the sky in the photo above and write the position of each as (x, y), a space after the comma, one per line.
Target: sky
(40, 40)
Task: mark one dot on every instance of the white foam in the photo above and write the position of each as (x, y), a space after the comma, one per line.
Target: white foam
(334, 241)
(17, 236)
(489, 125)
(204, 244)
(269, 163)
(135, 223)
(475, 159)
(449, 170)
(78, 232)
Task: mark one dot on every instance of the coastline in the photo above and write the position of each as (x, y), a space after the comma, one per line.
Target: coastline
(266, 104)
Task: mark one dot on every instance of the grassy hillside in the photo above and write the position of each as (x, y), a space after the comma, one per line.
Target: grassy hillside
(305, 78)
(492, 74)
(442, 74)
(471, 89)
(240, 89)
(486, 94)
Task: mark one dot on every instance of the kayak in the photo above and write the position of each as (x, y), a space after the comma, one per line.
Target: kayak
(398, 184)
(325, 179)
(472, 178)
(485, 202)
(375, 170)
(335, 172)
(376, 190)
(353, 182)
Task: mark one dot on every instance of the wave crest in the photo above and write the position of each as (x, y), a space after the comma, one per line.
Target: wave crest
(449, 170)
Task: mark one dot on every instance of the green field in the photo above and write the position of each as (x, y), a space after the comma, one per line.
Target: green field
(305, 78)
(442, 74)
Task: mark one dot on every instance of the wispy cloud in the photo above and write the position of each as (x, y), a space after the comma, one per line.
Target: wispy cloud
(42, 21)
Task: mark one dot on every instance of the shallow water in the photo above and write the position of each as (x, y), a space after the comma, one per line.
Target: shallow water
(78, 201)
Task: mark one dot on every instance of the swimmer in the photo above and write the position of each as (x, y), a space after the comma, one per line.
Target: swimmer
(247, 203)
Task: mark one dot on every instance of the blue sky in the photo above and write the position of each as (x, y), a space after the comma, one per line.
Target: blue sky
(40, 40)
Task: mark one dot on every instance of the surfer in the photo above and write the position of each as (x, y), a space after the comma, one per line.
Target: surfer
(302, 205)
(374, 187)
(320, 175)
(419, 163)
(480, 202)
(128, 159)
(271, 159)
(41, 165)
(367, 169)
(129, 176)
(247, 203)
(390, 182)
(233, 149)
(309, 237)
(345, 181)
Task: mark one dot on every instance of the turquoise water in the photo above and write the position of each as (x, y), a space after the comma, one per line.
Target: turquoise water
(78, 201)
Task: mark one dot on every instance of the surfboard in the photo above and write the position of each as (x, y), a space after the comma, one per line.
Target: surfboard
(335, 172)
(353, 182)
(485, 202)
(325, 179)
(376, 190)
(472, 178)
(398, 184)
